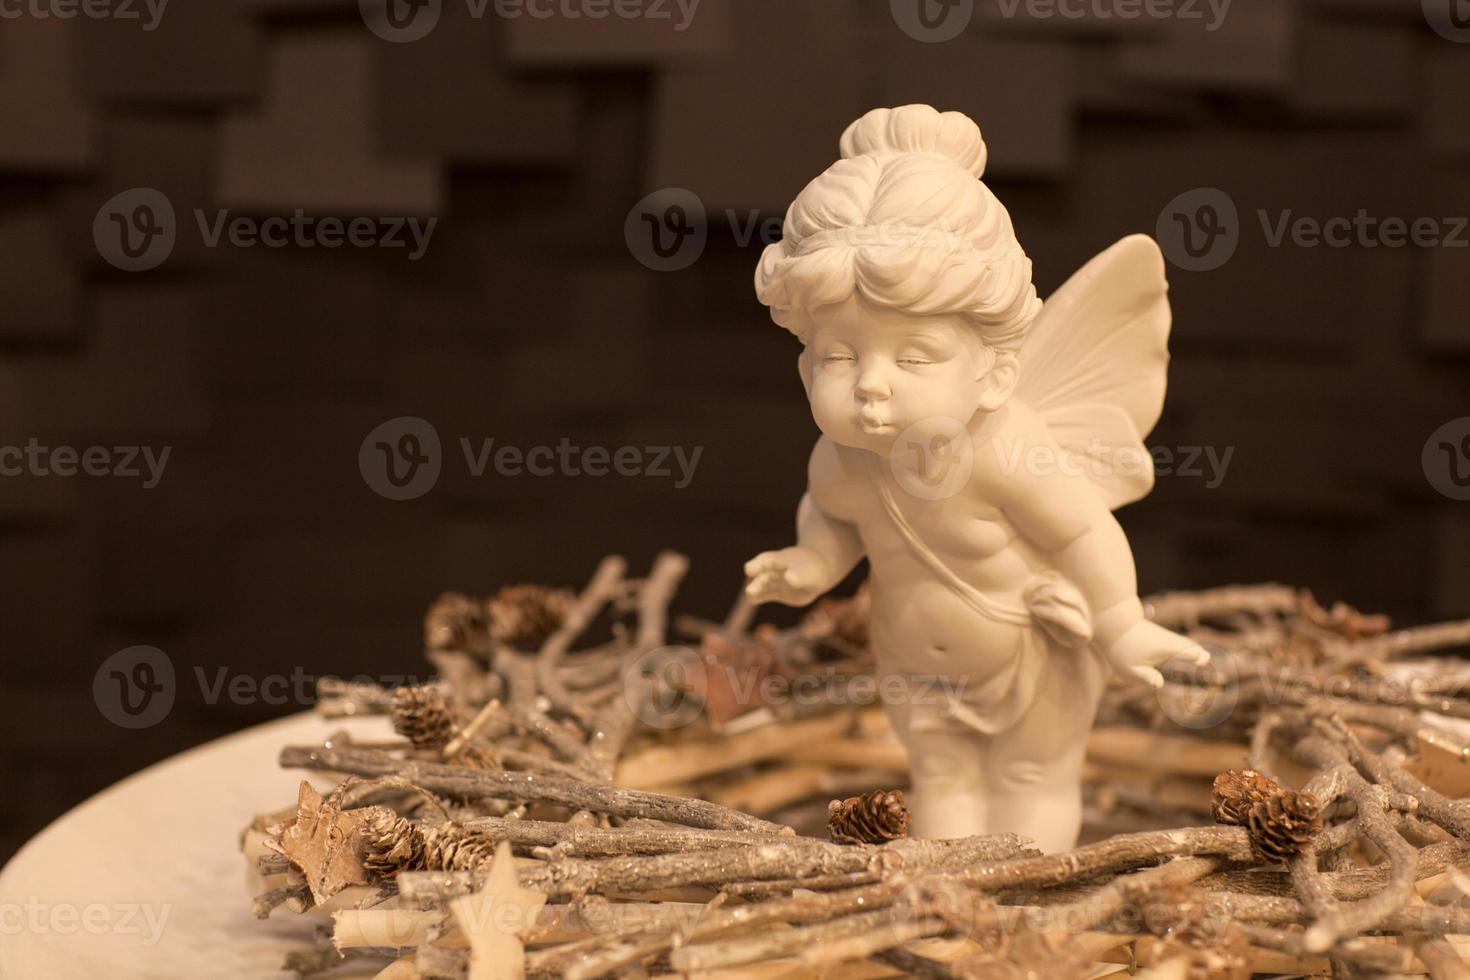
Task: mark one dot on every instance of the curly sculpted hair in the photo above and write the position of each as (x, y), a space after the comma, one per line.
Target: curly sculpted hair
(903, 221)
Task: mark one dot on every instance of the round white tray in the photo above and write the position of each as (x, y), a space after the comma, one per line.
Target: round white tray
(145, 879)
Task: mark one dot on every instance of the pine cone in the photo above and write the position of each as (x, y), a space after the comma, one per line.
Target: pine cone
(454, 847)
(1283, 826)
(421, 715)
(457, 622)
(872, 819)
(390, 843)
(524, 616)
(1236, 791)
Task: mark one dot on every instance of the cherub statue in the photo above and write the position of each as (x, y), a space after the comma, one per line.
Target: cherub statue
(974, 443)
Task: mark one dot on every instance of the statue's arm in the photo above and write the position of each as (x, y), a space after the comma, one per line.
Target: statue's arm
(818, 527)
(1063, 516)
(828, 547)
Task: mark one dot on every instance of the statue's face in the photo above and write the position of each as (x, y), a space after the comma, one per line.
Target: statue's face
(872, 372)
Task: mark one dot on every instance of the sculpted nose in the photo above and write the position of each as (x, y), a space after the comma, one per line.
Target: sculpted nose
(872, 386)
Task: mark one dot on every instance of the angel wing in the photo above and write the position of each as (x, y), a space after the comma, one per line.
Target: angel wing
(1095, 364)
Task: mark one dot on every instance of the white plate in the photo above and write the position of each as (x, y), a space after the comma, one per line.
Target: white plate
(145, 879)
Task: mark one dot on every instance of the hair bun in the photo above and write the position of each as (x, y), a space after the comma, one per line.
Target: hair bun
(917, 129)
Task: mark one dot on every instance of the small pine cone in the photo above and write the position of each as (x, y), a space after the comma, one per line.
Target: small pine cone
(1236, 791)
(421, 715)
(457, 622)
(390, 843)
(1284, 825)
(524, 616)
(872, 819)
(454, 847)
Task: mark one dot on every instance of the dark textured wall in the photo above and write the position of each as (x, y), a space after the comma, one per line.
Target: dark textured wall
(534, 316)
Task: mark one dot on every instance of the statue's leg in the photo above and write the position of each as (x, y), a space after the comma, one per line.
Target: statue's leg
(948, 793)
(946, 771)
(1034, 769)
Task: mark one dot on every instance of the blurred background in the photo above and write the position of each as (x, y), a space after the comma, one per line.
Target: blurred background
(276, 272)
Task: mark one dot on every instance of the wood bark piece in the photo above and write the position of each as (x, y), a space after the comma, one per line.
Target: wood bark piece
(692, 760)
(864, 753)
(377, 928)
(325, 842)
(1181, 754)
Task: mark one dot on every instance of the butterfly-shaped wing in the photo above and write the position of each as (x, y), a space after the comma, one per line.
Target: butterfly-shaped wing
(1095, 364)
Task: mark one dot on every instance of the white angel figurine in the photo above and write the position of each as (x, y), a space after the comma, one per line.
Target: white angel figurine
(974, 443)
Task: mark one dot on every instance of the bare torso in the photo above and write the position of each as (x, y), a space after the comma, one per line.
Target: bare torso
(920, 625)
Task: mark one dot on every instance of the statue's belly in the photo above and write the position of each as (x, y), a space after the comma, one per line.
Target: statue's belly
(921, 626)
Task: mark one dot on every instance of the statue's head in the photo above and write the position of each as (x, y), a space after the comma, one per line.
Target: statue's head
(900, 273)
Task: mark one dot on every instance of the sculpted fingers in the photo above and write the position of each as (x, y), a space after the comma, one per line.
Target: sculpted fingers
(793, 576)
(1196, 655)
(764, 562)
(1186, 651)
(804, 577)
(1147, 675)
(766, 585)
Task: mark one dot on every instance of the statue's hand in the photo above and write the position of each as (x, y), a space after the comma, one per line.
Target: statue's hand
(1136, 654)
(791, 576)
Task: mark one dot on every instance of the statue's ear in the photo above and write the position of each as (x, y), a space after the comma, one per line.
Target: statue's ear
(804, 368)
(997, 384)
